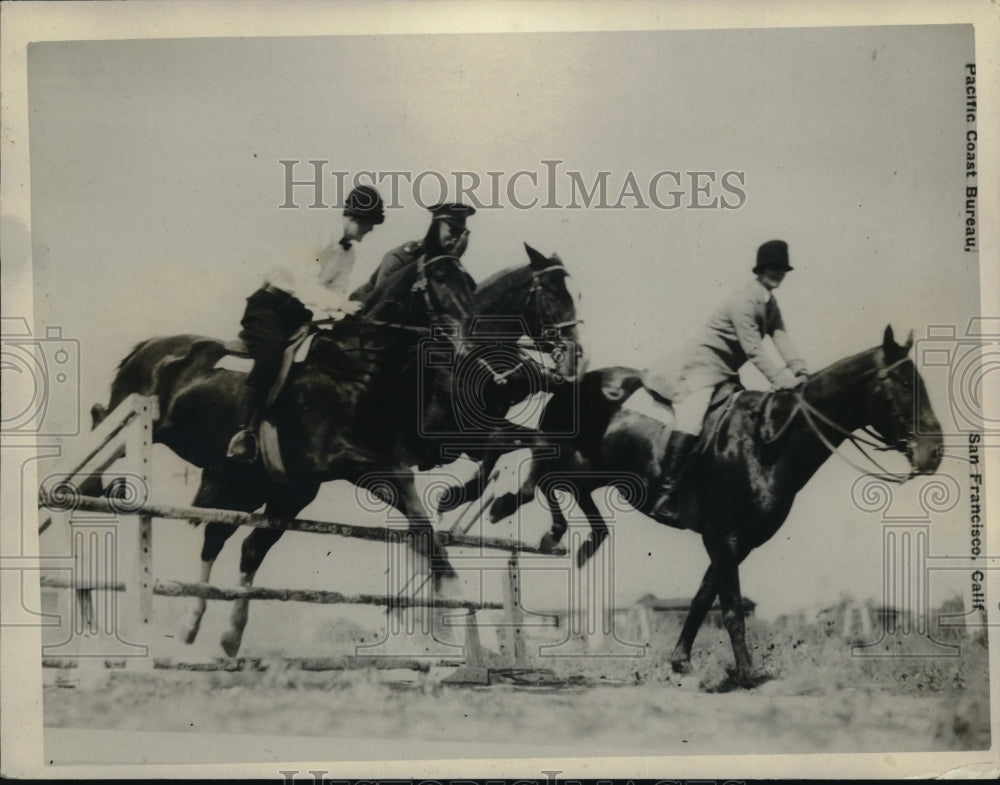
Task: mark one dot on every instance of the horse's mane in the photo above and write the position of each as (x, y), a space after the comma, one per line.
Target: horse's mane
(519, 275)
(390, 283)
(848, 363)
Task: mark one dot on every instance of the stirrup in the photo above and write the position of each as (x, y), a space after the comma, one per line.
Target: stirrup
(664, 508)
(243, 447)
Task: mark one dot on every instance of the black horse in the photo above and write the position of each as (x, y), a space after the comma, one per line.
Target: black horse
(500, 371)
(757, 451)
(339, 416)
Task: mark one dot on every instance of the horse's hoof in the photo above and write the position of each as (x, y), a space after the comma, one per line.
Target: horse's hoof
(736, 680)
(584, 552)
(680, 664)
(231, 643)
(548, 543)
(502, 507)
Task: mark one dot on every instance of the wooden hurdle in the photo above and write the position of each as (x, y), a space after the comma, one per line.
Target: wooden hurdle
(127, 434)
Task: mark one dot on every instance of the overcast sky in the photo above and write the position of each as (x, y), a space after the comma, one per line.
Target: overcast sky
(156, 181)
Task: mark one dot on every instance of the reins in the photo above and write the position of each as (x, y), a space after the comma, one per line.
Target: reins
(534, 293)
(876, 441)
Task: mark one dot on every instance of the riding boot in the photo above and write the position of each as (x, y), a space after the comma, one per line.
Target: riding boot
(680, 447)
(243, 446)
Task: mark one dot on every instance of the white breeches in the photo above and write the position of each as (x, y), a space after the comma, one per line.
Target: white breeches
(690, 411)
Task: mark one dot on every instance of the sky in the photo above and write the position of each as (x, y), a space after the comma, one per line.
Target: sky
(156, 185)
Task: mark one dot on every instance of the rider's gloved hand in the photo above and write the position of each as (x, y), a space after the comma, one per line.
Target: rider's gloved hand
(786, 380)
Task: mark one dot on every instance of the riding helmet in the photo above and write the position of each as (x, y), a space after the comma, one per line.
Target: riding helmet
(365, 204)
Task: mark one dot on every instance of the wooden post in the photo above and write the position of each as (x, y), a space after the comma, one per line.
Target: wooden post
(513, 647)
(138, 605)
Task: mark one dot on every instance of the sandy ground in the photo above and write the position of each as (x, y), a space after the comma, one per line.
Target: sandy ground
(815, 698)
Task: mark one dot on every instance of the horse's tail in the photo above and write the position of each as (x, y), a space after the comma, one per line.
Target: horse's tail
(130, 377)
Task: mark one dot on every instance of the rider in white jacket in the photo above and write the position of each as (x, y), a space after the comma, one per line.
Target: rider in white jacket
(279, 308)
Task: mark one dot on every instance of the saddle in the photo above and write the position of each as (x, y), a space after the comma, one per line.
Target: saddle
(651, 400)
(237, 358)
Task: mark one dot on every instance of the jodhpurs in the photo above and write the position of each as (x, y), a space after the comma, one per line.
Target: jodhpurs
(689, 412)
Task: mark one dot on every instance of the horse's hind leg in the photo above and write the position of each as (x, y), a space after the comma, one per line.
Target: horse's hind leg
(216, 535)
(255, 548)
(219, 490)
(680, 658)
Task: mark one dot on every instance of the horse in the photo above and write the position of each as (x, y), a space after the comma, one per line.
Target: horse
(534, 301)
(757, 451)
(337, 417)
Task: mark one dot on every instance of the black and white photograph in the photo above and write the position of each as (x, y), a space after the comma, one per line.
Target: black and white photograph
(538, 390)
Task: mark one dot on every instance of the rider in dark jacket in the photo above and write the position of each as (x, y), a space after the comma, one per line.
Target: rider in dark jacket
(447, 234)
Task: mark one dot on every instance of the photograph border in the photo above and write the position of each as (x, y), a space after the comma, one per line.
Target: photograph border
(24, 22)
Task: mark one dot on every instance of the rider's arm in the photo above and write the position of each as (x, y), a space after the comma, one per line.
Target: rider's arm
(280, 278)
(744, 312)
(786, 348)
(392, 263)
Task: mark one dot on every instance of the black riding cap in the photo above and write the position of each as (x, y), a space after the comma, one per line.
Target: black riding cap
(365, 204)
(453, 213)
(773, 255)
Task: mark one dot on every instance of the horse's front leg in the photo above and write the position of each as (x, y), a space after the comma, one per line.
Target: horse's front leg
(680, 658)
(727, 563)
(507, 504)
(396, 488)
(557, 530)
(457, 495)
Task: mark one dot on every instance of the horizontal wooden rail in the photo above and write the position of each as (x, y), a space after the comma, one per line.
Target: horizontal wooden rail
(208, 592)
(236, 518)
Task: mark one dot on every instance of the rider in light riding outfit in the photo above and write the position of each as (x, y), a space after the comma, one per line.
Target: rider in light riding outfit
(733, 336)
(278, 310)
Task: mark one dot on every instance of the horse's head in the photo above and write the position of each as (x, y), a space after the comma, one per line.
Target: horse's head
(551, 316)
(899, 409)
(435, 292)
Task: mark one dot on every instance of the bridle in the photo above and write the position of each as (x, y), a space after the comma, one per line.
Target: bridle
(877, 442)
(550, 332)
(420, 286)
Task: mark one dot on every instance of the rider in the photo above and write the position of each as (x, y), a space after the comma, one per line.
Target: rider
(733, 336)
(447, 235)
(274, 313)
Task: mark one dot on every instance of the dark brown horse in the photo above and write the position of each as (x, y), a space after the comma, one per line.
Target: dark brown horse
(759, 450)
(500, 371)
(340, 415)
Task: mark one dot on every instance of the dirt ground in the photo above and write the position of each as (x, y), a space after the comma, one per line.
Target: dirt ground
(814, 697)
